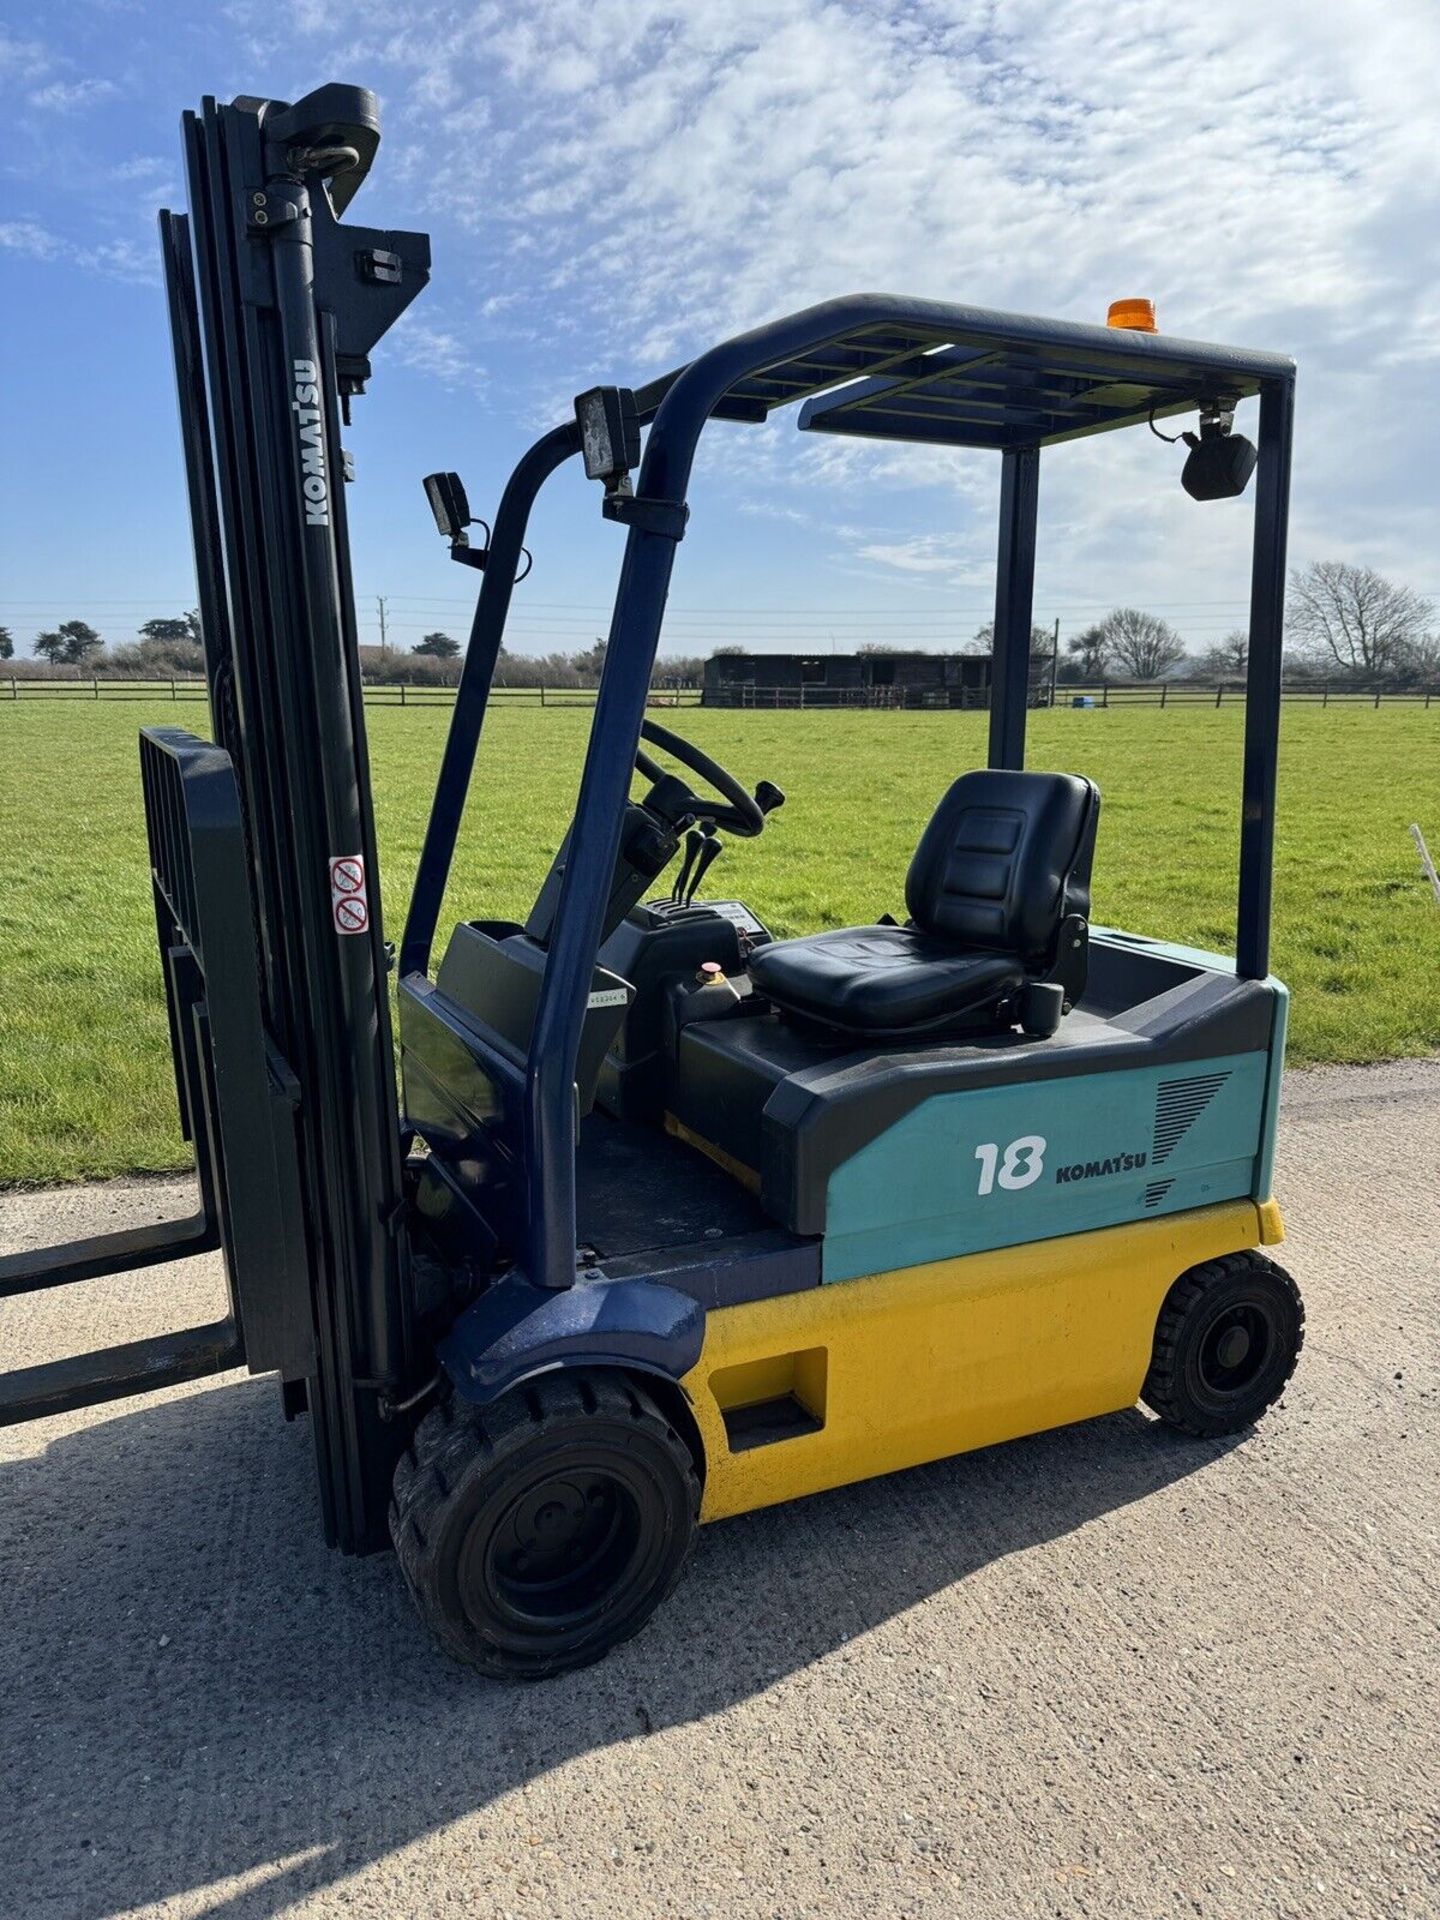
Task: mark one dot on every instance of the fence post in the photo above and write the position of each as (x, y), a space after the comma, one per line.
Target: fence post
(1325, 697)
(1164, 689)
(1377, 699)
(542, 693)
(95, 683)
(1220, 693)
(1105, 694)
(402, 693)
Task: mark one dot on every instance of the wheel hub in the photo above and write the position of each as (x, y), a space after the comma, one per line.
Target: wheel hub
(1234, 1350)
(1233, 1346)
(562, 1545)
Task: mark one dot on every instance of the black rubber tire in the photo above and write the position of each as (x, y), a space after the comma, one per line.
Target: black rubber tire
(537, 1533)
(1226, 1344)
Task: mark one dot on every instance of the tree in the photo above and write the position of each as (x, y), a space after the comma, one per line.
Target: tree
(7, 644)
(1228, 658)
(171, 629)
(727, 653)
(1139, 643)
(1091, 653)
(1042, 641)
(590, 664)
(1354, 619)
(1042, 647)
(439, 646)
(71, 644)
(678, 670)
(167, 644)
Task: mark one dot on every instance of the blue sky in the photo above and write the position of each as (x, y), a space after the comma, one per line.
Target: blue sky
(612, 185)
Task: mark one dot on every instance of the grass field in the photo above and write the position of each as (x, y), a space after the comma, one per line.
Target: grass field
(84, 1059)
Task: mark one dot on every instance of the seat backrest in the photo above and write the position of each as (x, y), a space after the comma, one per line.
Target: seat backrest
(1004, 859)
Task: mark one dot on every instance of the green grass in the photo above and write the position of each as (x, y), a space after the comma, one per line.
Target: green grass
(84, 1057)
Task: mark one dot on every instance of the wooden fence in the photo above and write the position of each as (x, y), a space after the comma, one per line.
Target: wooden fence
(1186, 693)
(1152, 693)
(184, 688)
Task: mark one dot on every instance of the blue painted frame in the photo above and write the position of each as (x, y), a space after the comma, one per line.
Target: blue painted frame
(851, 340)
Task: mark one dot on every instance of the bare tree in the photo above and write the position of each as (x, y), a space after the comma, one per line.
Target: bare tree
(678, 670)
(1425, 659)
(1042, 645)
(1228, 658)
(1139, 643)
(1354, 619)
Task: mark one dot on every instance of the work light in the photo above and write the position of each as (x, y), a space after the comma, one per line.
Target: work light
(609, 433)
(1220, 462)
(448, 503)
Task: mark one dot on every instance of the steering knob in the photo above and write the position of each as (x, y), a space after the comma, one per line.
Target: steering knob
(768, 797)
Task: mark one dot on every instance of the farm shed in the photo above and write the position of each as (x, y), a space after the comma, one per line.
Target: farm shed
(847, 679)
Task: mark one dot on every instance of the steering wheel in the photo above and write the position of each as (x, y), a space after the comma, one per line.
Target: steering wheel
(742, 814)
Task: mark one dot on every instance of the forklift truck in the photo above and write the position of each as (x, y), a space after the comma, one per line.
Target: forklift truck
(672, 1219)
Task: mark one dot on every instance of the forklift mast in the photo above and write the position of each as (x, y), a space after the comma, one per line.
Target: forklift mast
(263, 843)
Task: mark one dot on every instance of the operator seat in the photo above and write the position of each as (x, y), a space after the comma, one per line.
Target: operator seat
(999, 896)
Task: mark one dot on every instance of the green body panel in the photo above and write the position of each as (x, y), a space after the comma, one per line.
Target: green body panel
(999, 1166)
(1225, 963)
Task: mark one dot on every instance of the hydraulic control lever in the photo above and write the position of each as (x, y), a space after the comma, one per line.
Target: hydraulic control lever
(694, 840)
(710, 851)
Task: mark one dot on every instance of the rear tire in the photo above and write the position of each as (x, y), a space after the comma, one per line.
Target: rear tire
(1226, 1344)
(537, 1533)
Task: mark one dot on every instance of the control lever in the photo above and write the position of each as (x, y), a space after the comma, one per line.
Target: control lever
(768, 797)
(710, 852)
(693, 843)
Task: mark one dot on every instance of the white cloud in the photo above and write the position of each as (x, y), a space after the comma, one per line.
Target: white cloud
(22, 60)
(618, 183)
(70, 96)
(118, 258)
(28, 237)
(146, 169)
(436, 351)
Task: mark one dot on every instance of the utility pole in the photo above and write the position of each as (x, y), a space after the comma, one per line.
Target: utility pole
(1055, 661)
(380, 603)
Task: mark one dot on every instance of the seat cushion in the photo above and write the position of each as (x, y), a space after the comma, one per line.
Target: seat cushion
(883, 980)
(1005, 856)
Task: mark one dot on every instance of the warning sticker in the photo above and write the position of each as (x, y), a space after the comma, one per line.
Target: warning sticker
(349, 901)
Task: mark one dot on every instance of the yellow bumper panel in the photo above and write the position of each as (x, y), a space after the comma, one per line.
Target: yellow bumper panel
(871, 1375)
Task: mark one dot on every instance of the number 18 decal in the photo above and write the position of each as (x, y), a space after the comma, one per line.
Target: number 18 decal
(1021, 1165)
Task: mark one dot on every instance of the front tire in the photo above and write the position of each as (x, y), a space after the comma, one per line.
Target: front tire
(1226, 1344)
(537, 1533)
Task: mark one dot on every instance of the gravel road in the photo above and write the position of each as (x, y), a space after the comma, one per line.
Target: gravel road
(1100, 1672)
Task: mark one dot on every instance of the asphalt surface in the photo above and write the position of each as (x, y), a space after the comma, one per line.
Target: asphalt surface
(1104, 1671)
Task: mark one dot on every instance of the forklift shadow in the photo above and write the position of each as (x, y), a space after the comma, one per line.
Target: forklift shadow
(198, 1695)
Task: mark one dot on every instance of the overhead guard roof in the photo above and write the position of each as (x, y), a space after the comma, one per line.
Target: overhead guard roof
(964, 377)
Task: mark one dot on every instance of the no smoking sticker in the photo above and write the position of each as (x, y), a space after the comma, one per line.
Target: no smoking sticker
(349, 902)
